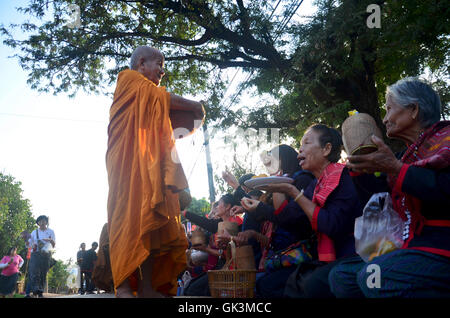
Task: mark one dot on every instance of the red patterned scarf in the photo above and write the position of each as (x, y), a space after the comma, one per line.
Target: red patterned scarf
(327, 183)
(432, 151)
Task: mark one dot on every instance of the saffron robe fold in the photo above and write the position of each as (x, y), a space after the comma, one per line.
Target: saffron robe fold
(101, 275)
(144, 176)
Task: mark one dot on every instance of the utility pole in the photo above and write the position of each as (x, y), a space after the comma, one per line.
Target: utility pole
(212, 195)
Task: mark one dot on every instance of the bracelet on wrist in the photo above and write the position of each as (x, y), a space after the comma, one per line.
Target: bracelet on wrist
(298, 196)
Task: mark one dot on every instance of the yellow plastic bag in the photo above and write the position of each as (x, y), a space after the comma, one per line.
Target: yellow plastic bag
(379, 230)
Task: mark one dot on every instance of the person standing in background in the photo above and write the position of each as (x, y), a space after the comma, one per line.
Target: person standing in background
(88, 264)
(42, 240)
(80, 257)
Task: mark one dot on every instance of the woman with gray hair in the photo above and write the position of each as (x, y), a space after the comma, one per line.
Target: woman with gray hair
(419, 183)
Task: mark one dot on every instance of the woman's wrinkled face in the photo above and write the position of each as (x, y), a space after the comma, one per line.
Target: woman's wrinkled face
(311, 154)
(398, 119)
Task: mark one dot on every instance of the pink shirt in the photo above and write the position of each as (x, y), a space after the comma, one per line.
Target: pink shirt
(12, 268)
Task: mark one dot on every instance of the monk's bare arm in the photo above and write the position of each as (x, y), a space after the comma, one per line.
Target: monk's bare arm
(180, 103)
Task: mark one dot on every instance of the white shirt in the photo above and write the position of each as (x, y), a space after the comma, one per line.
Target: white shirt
(47, 234)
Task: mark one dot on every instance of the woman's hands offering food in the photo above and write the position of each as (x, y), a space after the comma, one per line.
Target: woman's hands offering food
(230, 179)
(236, 210)
(249, 204)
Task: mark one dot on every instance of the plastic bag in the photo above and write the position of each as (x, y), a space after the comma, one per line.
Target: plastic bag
(379, 230)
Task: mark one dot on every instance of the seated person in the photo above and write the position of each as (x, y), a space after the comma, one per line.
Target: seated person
(328, 205)
(419, 184)
(261, 229)
(222, 212)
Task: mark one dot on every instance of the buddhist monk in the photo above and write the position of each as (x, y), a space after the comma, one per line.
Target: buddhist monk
(147, 241)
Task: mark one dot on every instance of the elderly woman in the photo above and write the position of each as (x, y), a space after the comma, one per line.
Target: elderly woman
(419, 183)
(329, 206)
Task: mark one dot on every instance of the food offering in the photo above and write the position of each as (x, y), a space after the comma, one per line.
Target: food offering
(260, 182)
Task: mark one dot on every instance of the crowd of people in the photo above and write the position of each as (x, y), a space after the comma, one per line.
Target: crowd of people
(86, 261)
(316, 213)
(40, 244)
(300, 233)
(313, 217)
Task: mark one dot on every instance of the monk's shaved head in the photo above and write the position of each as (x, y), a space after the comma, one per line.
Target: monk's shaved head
(149, 62)
(145, 52)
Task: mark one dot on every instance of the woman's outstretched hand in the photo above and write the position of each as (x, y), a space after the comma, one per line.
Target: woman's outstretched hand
(249, 204)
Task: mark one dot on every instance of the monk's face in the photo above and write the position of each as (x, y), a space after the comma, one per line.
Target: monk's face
(153, 67)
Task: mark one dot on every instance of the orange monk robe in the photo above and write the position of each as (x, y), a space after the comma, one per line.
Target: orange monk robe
(143, 214)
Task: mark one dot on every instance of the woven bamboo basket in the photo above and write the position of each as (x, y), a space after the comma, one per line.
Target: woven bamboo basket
(238, 282)
(357, 131)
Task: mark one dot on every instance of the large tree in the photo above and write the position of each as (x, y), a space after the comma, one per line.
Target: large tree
(15, 215)
(315, 71)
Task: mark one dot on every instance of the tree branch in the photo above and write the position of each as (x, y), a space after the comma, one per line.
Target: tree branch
(221, 63)
(202, 40)
(244, 18)
(203, 16)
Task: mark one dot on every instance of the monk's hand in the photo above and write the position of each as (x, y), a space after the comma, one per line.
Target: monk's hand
(382, 160)
(249, 204)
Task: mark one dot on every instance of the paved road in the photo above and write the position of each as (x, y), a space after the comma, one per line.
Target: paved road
(102, 295)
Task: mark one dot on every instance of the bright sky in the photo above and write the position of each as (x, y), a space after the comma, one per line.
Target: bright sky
(55, 146)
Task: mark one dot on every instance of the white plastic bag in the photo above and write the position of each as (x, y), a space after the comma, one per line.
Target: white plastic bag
(379, 230)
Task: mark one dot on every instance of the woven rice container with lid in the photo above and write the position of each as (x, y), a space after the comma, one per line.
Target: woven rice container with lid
(357, 131)
(198, 238)
(231, 227)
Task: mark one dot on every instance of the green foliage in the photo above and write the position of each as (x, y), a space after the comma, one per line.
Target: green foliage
(15, 215)
(198, 206)
(57, 276)
(313, 72)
